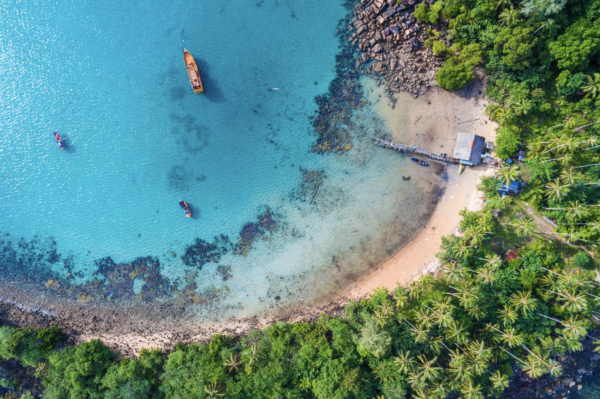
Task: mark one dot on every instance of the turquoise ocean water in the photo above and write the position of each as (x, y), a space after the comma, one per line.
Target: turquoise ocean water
(109, 77)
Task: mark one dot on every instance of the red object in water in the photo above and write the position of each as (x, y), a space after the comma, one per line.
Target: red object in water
(186, 208)
(59, 141)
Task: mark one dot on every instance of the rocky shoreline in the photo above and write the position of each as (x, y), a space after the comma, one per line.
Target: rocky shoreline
(578, 368)
(390, 46)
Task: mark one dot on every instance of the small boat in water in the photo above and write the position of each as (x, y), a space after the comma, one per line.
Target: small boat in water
(193, 72)
(186, 208)
(420, 162)
(59, 141)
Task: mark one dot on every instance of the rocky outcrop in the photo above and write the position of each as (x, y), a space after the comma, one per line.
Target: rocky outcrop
(389, 41)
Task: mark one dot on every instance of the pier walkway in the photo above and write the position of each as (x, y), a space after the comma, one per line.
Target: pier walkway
(414, 150)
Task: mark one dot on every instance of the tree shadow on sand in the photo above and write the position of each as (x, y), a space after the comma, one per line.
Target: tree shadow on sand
(211, 88)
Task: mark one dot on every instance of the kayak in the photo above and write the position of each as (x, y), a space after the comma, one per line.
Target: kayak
(59, 141)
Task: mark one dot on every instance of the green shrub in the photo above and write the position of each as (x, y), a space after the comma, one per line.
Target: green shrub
(507, 142)
(439, 48)
(422, 12)
(582, 259)
(373, 341)
(49, 338)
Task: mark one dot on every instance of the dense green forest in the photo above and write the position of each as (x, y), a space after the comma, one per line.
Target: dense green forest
(465, 330)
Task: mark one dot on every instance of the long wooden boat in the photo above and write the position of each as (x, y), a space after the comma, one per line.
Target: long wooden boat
(193, 72)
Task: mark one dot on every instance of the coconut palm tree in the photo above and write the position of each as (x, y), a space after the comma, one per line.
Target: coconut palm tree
(554, 346)
(400, 297)
(454, 272)
(507, 314)
(214, 390)
(404, 362)
(554, 368)
(499, 381)
(569, 177)
(457, 333)
(551, 281)
(577, 211)
(533, 367)
(476, 310)
(414, 289)
(233, 362)
(503, 4)
(509, 174)
(462, 250)
(252, 355)
(573, 302)
(424, 318)
(416, 381)
(508, 16)
(488, 275)
(592, 88)
(555, 190)
(549, 23)
(523, 300)
(470, 390)
(525, 227)
(439, 390)
(428, 368)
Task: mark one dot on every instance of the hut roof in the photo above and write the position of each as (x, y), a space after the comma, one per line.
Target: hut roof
(511, 255)
(469, 147)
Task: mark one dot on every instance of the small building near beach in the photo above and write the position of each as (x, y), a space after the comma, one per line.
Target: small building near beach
(469, 148)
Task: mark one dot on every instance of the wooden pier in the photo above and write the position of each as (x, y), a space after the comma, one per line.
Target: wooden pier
(414, 150)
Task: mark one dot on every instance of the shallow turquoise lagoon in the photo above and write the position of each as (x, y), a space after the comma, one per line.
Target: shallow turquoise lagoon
(109, 77)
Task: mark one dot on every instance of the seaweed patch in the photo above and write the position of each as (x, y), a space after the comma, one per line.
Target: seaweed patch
(333, 118)
(202, 252)
(309, 185)
(253, 231)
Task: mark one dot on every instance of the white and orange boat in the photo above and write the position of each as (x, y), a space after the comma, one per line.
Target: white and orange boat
(193, 72)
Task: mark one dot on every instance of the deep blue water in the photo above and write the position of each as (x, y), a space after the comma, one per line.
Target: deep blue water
(109, 77)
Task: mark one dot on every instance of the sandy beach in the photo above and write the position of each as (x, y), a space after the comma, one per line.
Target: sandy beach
(431, 122)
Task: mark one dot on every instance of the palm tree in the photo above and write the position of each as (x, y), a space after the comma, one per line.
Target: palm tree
(488, 275)
(400, 297)
(574, 328)
(593, 86)
(507, 314)
(509, 174)
(573, 303)
(525, 227)
(233, 362)
(462, 250)
(556, 191)
(414, 289)
(439, 390)
(476, 311)
(547, 25)
(554, 368)
(533, 367)
(424, 318)
(523, 300)
(252, 355)
(457, 333)
(416, 381)
(499, 381)
(577, 211)
(553, 346)
(454, 272)
(427, 368)
(508, 17)
(569, 177)
(404, 362)
(551, 281)
(503, 4)
(214, 390)
(470, 390)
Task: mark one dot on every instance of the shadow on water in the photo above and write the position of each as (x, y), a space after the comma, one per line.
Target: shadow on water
(69, 147)
(211, 88)
(196, 211)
